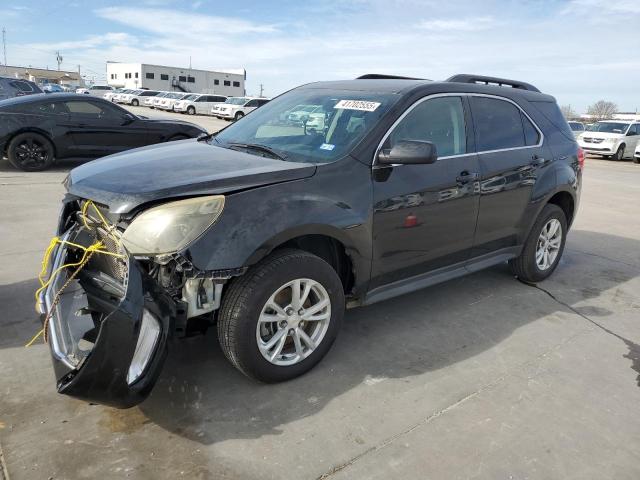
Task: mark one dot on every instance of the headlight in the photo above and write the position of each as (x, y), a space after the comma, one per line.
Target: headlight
(171, 227)
(611, 140)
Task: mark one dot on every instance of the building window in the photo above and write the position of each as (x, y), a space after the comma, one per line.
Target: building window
(164, 76)
(216, 82)
(236, 84)
(149, 75)
(191, 80)
(182, 78)
(136, 74)
(227, 83)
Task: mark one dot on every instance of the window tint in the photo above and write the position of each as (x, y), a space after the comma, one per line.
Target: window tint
(22, 86)
(439, 120)
(164, 76)
(86, 108)
(531, 135)
(149, 75)
(498, 124)
(552, 113)
(236, 84)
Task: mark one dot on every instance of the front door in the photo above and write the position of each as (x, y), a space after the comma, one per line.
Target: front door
(424, 216)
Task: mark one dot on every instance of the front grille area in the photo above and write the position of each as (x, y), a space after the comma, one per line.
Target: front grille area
(115, 267)
(592, 140)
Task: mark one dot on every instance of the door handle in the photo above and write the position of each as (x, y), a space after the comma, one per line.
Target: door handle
(537, 161)
(466, 177)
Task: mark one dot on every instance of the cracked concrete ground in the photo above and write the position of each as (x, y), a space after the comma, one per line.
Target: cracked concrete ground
(480, 377)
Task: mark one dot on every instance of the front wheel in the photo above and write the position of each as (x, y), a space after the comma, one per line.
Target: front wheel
(238, 116)
(543, 248)
(30, 152)
(191, 110)
(135, 103)
(619, 153)
(281, 318)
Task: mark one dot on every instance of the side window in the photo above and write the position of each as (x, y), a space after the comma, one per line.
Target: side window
(531, 135)
(50, 108)
(498, 124)
(22, 86)
(635, 129)
(252, 103)
(262, 102)
(236, 84)
(227, 83)
(218, 99)
(164, 76)
(438, 120)
(90, 109)
(216, 82)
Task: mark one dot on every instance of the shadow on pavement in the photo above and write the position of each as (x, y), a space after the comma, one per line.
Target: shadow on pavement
(63, 165)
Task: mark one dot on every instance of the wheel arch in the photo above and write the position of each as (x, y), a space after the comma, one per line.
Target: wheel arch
(30, 129)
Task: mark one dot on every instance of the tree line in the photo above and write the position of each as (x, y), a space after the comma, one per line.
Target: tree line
(601, 110)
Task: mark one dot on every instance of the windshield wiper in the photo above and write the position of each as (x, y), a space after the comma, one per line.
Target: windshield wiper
(257, 146)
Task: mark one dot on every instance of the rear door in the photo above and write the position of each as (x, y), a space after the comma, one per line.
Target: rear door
(204, 103)
(511, 154)
(424, 216)
(632, 139)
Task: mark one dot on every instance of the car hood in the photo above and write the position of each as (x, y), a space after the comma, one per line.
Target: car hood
(602, 135)
(177, 169)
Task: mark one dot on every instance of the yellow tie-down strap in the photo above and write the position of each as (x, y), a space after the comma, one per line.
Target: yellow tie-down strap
(97, 247)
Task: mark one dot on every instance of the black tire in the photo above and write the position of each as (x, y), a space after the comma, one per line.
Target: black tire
(30, 152)
(191, 110)
(135, 102)
(525, 266)
(238, 116)
(636, 159)
(619, 153)
(242, 304)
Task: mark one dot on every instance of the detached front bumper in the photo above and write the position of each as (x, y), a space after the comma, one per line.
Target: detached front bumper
(108, 336)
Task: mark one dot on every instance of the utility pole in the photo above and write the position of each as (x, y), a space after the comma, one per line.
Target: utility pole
(4, 48)
(79, 78)
(58, 59)
(189, 62)
(261, 89)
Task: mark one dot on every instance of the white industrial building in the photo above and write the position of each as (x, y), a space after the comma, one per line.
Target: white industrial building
(159, 77)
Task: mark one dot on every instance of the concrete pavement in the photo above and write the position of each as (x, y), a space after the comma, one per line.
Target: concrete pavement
(480, 377)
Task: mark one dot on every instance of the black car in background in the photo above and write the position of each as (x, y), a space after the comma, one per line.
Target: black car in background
(17, 87)
(268, 229)
(37, 130)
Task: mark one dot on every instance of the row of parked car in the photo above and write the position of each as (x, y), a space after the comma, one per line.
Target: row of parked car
(227, 108)
(614, 139)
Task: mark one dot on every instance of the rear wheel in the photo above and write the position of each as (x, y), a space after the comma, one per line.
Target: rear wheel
(280, 319)
(543, 248)
(30, 152)
(636, 159)
(619, 153)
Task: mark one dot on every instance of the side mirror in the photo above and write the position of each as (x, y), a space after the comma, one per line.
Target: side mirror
(128, 118)
(409, 152)
(631, 134)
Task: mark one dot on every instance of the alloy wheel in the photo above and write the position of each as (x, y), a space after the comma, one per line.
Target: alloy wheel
(293, 322)
(549, 243)
(32, 153)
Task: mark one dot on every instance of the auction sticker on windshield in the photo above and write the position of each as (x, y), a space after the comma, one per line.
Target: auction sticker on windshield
(357, 105)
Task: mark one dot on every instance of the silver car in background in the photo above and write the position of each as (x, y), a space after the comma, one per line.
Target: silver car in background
(198, 103)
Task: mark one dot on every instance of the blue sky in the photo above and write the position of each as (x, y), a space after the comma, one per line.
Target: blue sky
(577, 50)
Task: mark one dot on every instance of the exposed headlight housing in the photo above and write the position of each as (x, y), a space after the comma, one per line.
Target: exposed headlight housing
(171, 227)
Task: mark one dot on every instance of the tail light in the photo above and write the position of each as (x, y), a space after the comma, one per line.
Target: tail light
(580, 158)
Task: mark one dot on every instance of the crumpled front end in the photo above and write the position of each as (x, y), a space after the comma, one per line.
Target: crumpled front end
(107, 322)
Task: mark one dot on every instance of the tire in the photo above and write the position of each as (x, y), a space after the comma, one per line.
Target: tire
(31, 152)
(191, 110)
(238, 116)
(244, 304)
(525, 267)
(135, 102)
(636, 159)
(619, 153)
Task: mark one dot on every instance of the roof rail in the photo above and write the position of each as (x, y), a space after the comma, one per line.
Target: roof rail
(382, 76)
(481, 79)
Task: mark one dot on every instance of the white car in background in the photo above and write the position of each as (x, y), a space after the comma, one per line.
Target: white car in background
(234, 108)
(152, 102)
(126, 97)
(116, 96)
(636, 155)
(109, 95)
(616, 139)
(137, 99)
(95, 90)
(577, 128)
(167, 102)
(198, 103)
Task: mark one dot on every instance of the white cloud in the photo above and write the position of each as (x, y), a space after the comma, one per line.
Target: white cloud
(458, 25)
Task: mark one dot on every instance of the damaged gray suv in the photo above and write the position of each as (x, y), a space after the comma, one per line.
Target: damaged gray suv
(270, 228)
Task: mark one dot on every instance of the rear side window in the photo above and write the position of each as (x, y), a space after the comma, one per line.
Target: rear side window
(498, 124)
(22, 86)
(531, 135)
(552, 113)
(438, 120)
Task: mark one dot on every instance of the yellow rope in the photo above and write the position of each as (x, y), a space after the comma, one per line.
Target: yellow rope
(97, 247)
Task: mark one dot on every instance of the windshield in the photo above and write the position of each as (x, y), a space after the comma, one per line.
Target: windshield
(341, 118)
(576, 127)
(191, 97)
(236, 100)
(611, 127)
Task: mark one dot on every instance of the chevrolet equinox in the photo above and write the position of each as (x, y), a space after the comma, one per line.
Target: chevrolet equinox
(270, 228)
